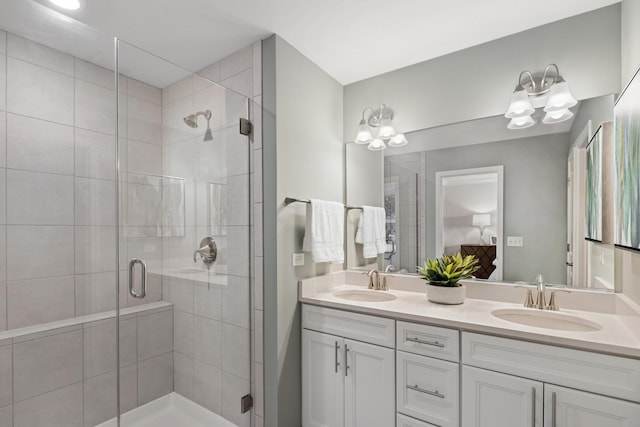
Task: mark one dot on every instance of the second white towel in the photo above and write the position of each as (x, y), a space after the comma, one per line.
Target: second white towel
(324, 232)
(371, 231)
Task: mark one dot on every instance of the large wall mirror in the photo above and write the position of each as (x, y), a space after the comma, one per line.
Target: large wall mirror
(517, 199)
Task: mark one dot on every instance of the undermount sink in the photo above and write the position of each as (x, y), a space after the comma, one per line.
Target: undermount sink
(364, 295)
(547, 319)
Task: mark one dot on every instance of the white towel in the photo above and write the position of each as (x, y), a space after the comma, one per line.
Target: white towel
(371, 231)
(324, 232)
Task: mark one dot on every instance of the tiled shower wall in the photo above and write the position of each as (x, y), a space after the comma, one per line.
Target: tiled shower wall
(57, 181)
(213, 322)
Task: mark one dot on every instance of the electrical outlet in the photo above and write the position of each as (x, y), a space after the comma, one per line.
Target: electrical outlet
(515, 241)
(297, 259)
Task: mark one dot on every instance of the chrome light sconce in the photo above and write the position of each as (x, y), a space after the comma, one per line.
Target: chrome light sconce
(386, 134)
(558, 102)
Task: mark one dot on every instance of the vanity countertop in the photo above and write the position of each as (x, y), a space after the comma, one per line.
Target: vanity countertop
(620, 333)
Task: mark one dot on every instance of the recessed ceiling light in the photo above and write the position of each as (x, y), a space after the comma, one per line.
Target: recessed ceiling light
(68, 4)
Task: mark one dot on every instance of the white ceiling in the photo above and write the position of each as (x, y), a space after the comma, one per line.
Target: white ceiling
(350, 39)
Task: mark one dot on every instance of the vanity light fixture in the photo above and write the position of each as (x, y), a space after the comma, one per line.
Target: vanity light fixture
(558, 102)
(69, 4)
(382, 118)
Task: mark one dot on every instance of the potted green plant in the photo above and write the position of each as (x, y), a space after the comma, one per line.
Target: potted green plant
(444, 275)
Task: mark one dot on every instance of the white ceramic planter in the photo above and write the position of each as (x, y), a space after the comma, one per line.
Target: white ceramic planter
(446, 295)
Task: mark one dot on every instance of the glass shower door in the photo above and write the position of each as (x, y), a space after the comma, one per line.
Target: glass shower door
(184, 242)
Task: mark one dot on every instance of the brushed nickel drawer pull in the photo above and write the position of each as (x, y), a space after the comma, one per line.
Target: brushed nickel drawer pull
(533, 402)
(419, 341)
(337, 347)
(421, 390)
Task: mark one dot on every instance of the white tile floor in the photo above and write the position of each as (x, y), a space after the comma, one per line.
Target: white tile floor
(170, 411)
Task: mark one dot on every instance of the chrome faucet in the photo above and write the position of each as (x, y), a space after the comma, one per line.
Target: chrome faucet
(376, 284)
(208, 252)
(541, 301)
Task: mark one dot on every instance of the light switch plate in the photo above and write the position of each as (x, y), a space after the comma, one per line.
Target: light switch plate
(297, 259)
(515, 241)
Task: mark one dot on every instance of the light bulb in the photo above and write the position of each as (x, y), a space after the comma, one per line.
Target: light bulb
(67, 4)
(363, 135)
(557, 116)
(520, 105)
(376, 145)
(521, 122)
(398, 141)
(559, 97)
(386, 130)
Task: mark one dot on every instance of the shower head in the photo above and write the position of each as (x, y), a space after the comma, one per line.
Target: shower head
(192, 119)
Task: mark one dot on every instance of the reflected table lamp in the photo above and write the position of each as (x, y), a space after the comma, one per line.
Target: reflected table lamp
(481, 221)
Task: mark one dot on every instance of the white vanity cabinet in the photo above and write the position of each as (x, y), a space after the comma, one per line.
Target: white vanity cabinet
(536, 386)
(347, 382)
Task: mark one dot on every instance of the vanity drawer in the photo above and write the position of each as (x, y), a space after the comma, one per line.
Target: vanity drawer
(359, 327)
(427, 389)
(599, 373)
(429, 341)
(404, 421)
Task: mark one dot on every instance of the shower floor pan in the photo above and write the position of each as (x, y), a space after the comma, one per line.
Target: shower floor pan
(171, 410)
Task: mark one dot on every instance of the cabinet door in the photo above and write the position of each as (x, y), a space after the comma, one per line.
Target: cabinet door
(322, 380)
(490, 399)
(571, 408)
(369, 385)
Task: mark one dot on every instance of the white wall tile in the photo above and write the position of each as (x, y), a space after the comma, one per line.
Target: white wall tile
(241, 83)
(38, 198)
(259, 389)
(62, 407)
(235, 302)
(144, 122)
(95, 248)
(144, 158)
(58, 262)
(100, 399)
(236, 62)
(183, 375)
(3, 196)
(95, 202)
(207, 386)
(210, 72)
(95, 292)
(155, 378)
(155, 334)
(39, 145)
(235, 355)
(234, 388)
(180, 294)
(208, 341)
(46, 364)
(257, 242)
(259, 283)
(38, 54)
(3, 306)
(210, 98)
(3, 42)
(95, 107)
(258, 344)
(145, 92)
(256, 118)
(257, 176)
(3, 83)
(183, 333)
(36, 301)
(237, 200)
(129, 388)
(100, 346)
(236, 149)
(38, 92)
(6, 416)
(94, 74)
(177, 90)
(173, 127)
(208, 302)
(3, 135)
(6, 376)
(257, 68)
(95, 155)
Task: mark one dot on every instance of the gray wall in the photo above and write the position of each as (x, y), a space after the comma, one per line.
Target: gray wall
(303, 157)
(598, 110)
(477, 82)
(535, 200)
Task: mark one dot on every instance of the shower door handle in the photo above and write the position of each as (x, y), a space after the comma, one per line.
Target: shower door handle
(143, 281)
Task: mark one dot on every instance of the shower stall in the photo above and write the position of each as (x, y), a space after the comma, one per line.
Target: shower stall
(127, 256)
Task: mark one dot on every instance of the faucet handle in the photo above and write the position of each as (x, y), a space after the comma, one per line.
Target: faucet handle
(553, 300)
(528, 300)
